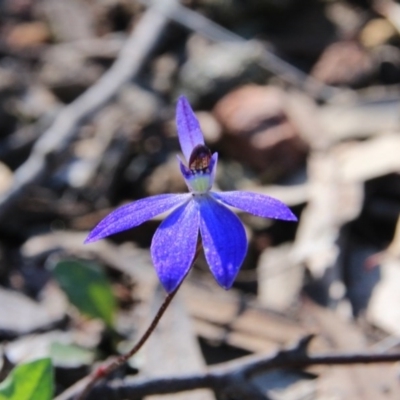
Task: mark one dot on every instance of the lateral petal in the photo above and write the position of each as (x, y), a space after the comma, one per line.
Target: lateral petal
(174, 245)
(256, 204)
(213, 167)
(189, 131)
(224, 240)
(134, 214)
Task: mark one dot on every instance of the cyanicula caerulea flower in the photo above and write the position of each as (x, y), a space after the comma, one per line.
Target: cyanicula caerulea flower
(174, 243)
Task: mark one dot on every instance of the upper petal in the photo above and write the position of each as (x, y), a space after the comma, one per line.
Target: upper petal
(224, 240)
(188, 126)
(134, 214)
(174, 245)
(257, 204)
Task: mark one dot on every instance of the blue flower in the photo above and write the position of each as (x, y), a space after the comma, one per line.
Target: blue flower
(201, 210)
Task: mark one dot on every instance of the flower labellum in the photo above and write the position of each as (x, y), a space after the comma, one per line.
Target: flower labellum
(201, 210)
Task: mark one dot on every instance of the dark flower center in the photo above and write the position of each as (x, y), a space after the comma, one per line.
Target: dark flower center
(200, 159)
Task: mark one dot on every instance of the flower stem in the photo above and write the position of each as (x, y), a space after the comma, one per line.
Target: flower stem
(105, 370)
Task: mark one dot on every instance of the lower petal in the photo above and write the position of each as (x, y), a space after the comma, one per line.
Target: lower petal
(256, 204)
(174, 245)
(224, 240)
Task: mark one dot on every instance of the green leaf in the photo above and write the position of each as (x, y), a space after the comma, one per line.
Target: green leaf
(30, 381)
(87, 288)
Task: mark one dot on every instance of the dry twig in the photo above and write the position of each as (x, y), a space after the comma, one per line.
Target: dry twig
(62, 131)
(227, 375)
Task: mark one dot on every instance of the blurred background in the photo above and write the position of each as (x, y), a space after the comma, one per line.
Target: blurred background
(301, 100)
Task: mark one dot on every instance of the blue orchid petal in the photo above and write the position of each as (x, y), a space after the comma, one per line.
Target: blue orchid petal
(174, 245)
(188, 126)
(224, 240)
(185, 171)
(213, 167)
(134, 214)
(256, 204)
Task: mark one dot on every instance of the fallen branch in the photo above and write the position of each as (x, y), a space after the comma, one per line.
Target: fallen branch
(271, 62)
(55, 139)
(233, 374)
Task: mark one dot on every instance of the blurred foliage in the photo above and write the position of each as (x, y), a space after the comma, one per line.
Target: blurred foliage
(87, 288)
(70, 355)
(30, 381)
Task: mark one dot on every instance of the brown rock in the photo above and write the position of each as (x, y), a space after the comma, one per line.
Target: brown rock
(258, 131)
